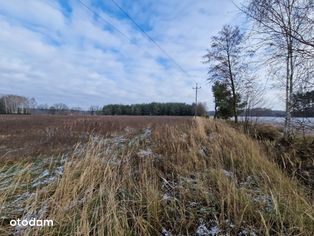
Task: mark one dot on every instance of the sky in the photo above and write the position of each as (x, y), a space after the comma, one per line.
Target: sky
(58, 51)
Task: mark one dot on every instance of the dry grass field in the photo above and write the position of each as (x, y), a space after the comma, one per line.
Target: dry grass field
(30, 136)
(144, 176)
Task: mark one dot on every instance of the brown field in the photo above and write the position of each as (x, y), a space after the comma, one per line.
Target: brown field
(144, 176)
(30, 136)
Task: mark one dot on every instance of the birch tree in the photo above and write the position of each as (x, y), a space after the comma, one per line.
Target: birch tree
(284, 29)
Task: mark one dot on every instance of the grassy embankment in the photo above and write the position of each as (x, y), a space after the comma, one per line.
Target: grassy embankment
(295, 156)
(178, 178)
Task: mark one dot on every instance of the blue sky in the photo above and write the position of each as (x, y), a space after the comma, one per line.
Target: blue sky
(58, 51)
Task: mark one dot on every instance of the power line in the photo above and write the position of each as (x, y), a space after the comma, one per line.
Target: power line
(95, 13)
(140, 28)
(106, 21)
(151, 39)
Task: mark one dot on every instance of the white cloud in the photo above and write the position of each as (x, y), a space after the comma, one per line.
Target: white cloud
(46, 55)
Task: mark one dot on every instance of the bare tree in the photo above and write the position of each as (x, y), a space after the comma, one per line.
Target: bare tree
(225, 61)
(15, 104)
(252, 94)
(30, 105)
(61, 107)
(78, 109)
(295, 18)
(284, 28)
(43, 107)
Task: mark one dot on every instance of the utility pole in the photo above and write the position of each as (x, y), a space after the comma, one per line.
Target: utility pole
(196, 90)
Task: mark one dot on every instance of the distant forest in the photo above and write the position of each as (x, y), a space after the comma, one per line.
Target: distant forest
(14, 104)
(266, 112)
(259, 111)
(155, 109)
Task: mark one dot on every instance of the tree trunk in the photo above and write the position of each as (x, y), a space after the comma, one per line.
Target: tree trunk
(234, 105)
(287, 119)
(289, 79)
(234, 96)
(291, 87)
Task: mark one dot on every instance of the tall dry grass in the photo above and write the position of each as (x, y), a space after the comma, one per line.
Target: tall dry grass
(186, 179)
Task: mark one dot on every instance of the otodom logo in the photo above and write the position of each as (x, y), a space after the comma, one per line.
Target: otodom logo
(32, 222)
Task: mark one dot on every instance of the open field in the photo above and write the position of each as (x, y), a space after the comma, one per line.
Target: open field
(144, 176)
(28, 136)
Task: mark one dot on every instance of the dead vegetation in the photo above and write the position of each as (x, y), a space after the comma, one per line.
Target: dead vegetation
(24, 137)
(166, 177)
(295, 156)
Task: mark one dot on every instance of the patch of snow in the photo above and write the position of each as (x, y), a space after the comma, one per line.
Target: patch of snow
(265, 199)
(119, 140)
(202, 230)
(228, 173)
(22, 197)
(229, 224)
(59, 171)
(129, 129)
(141, 137)
(166, 197)
(249, 182)
(243, 233)
(46, 178)
(145, 153)
(246, 232)
(165, 232)
(44, 174)
(41, 182)
(147, 133)
(214, 230)
(193, 204)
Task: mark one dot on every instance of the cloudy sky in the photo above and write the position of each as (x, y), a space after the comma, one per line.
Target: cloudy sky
(59, 51)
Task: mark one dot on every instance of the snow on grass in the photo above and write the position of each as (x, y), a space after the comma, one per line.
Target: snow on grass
(246, 232)
(145, 153)
(228, 173)
(202, 230)
(165, 232)
(214, 230)
(166, 197)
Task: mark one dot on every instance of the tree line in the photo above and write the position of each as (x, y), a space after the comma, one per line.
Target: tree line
(155, 109)
(14, 104)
